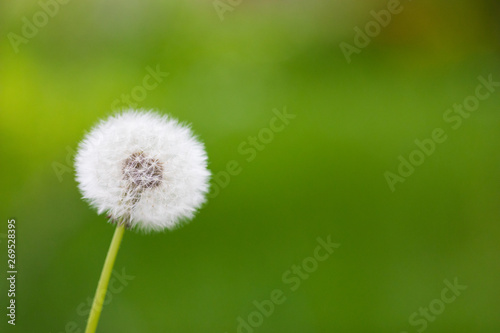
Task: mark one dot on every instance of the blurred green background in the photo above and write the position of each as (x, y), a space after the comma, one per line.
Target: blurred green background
(323, 175)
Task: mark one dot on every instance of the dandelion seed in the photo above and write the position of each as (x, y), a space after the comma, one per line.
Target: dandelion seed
(145, 169)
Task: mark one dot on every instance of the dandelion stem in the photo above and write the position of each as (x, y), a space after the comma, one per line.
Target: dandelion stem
(102, 286)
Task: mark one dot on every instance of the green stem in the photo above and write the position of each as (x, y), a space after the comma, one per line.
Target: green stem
(102, 286)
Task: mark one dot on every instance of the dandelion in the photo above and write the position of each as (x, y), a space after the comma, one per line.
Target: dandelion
(146, 172)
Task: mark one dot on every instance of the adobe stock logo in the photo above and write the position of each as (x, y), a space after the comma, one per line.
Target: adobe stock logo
(29, 30)
(116, 285)
(454, 116)
(292, 278)
(139, 93)
(420, 320)
(221, 7)
(251, 148)
(373, 28)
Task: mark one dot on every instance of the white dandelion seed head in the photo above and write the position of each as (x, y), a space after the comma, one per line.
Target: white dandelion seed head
(144, 168)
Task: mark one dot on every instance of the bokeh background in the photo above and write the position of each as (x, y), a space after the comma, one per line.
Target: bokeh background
(323, 175)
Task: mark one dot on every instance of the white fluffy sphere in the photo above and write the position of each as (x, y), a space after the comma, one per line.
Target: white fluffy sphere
(143, 168)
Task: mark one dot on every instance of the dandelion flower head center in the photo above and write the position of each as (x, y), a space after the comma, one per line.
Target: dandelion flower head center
(142, 171)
